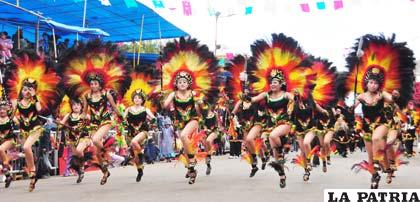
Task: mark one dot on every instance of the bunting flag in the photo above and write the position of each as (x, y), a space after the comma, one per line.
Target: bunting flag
(105, 2)
(131, 3)
(248, 10)
(158, 3)
(186, 6)
(221, 62)
(212, 11)
(305, 7)
(229, 56)
(320, 5)
(338, 4)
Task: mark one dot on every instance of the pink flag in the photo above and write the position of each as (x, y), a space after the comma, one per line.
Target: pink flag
(305, 7)
(186, 5)
(338, 4)
(229, 56)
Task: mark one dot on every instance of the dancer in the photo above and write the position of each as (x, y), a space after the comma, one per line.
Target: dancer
(272, 64)
(188, 69)
(248, 114)
(77, 136)
(384, 67)
(93, 72)
(32, 90)
(324, 95)
(7, 139)
(139, 116)
(211, 129)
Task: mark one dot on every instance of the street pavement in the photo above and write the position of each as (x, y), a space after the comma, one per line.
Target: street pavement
(229, 181)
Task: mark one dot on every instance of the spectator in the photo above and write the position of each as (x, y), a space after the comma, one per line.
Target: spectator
(63, 46)
(43, 43)
(151, 151)
(5, 46)
(23, 42)
(167, 140)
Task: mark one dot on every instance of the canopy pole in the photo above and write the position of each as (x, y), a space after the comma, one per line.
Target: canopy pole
(160, 36)
(160, 49)
(18, 28)
(134, 54)
(55, 45)
(84, 14)
(141, 36)
(37, 37)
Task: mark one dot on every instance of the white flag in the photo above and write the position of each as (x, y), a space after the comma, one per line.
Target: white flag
(105, 2)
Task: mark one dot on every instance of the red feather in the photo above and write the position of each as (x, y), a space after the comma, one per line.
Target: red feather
(364, 165)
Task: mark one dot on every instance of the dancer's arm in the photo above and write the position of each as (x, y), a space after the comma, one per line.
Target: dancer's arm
(236, 108)
(169, 100)
(37, 103)
(259, 97)
(112, 102)
(85, 106)
(65, 119)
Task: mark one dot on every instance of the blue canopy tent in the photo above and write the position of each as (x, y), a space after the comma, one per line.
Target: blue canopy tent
(12, 16)
(122, 20)
(145, 58)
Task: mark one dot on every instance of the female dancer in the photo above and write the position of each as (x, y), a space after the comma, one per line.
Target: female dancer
(385, 66)
(7, 139)
(324, 96)
(32, 90)
(187, 71)
(138, 116)
(77, 137)
(92, 72)
(248, 115)
(210, 124)
(273, 64)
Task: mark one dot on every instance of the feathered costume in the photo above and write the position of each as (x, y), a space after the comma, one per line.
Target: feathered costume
(391, 62)
(388, 62)
(235, 86)
(187, 59)
(32, 71)
(283, 60)
(100, 62)
(142, 85)
(391, 65)
(103, 63)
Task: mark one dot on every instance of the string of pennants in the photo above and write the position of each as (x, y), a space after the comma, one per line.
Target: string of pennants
(306, 6)
(320, 5)
(246, 7)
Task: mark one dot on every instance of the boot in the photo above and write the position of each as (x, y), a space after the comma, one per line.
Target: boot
(254, 165)
(208, 160)
(106, 174)
(278, 166)
(375, 180)
(8, 176)
(264, 160)
(34, 179)
(324, 166)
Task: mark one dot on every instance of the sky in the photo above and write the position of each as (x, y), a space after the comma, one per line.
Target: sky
(327, 33)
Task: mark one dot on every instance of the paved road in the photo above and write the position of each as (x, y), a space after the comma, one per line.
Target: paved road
(229, 181)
